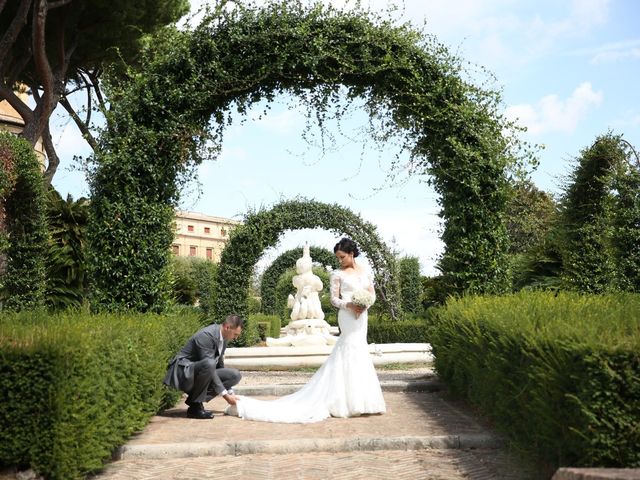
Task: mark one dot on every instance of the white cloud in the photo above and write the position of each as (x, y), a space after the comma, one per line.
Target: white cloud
(552, 114)
(615, 52)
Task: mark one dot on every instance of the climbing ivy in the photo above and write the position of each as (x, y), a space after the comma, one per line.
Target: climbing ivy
(172, 112)
(587, 256)
(23, 213)
(269, 302)
(262, 230)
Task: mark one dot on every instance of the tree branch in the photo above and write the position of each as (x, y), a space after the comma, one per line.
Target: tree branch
(87, 120)
(45, 105)
(59, 3)
(14, 30)
(94, 76)
(84, 128)
(18, 105)
(52, 156)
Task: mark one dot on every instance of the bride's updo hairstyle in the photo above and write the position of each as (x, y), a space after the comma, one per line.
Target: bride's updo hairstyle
(347, 245)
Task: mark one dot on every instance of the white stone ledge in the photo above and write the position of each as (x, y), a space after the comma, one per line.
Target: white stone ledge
(381, 354)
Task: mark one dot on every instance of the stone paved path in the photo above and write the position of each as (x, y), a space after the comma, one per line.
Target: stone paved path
(422, 436)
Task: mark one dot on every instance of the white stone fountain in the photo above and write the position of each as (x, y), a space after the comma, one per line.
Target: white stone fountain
(307, 326)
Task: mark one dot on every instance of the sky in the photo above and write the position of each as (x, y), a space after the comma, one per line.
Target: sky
(568, 71)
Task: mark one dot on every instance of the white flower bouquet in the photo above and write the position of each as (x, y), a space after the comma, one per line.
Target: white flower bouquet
(363, 298)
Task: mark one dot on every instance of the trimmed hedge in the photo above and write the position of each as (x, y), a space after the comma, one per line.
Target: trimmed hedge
(399, 331)
(75, 387)
(559, 374)
(273, 322)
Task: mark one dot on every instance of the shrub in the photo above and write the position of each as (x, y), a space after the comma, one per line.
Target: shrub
(557, 373)
(409, 330)
(410, 285)
(272, 323)
(74, 387)
(25, 220)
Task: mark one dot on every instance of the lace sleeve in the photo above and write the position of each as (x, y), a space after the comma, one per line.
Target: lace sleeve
(334, 287)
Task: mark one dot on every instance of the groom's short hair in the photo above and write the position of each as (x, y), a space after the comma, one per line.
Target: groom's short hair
(234, 321)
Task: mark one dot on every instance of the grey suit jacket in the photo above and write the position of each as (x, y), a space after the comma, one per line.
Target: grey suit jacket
(205, 343)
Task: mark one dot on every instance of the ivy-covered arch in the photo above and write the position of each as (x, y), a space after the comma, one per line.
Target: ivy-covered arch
(285, 261)
(263, 229)
(176, 106)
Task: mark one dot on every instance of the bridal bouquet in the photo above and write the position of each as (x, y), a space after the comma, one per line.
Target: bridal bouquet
(363, 298)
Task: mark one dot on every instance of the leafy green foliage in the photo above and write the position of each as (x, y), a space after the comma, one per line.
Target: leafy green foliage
(66, 263)
(410, 285)
(530, 215)
(407, 330)
(272, 323)
(193, 282)
(173, 111)
(26, 226)
(263, 229)
(557, 372)
(587, 257)
(57, 48)
(98, 378)
(625, 220)
(285, 261)
(103, 32)
(183, 283)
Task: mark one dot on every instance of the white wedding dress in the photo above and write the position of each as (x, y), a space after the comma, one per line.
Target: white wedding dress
(346, 385)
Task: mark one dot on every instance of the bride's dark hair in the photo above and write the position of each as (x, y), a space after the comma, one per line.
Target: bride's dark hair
(347, 245)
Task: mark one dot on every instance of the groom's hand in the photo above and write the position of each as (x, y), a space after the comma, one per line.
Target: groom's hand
(231, 399)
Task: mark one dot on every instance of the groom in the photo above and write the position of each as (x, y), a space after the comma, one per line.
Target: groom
(198, 369)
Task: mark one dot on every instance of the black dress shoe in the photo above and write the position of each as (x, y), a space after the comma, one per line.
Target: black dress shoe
(199, 413)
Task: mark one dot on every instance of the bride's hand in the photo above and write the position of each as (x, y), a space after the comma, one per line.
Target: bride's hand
(231, 399)
(357, 309)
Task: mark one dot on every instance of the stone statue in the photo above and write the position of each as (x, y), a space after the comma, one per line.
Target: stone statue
(306, 303)
(307, 325)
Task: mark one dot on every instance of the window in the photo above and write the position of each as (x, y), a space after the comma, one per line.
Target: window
(193, 250)
(207, 230)
(190, 228)
(175, 249)
(209, 253)
(223, 232)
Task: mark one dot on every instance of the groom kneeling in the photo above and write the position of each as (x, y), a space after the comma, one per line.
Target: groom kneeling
(198, 369)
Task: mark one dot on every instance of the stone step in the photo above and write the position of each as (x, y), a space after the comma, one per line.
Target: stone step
(307, 445)
(430, 385)
(414, 420)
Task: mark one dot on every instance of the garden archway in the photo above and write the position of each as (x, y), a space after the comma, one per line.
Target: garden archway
(178, 102)
(263, 229)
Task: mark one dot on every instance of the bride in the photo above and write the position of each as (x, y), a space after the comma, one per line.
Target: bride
(346, 385)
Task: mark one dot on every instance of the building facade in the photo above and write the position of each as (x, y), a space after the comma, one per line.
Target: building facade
(201, 236)
(11, 121)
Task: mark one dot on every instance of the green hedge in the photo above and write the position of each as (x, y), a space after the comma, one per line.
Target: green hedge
(411, 330)
(273, 321)
(560, 375)
(25, 236)
(74, 387)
